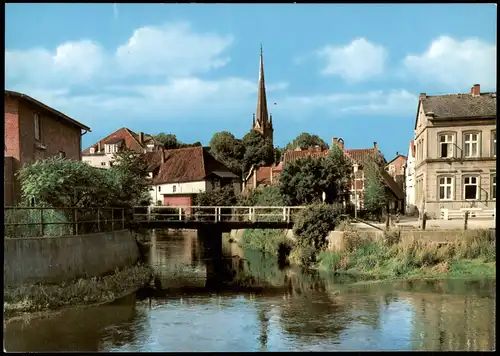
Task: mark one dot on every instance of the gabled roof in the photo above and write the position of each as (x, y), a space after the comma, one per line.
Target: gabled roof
(359, 155)
(130, 138)
(395, 158)
(46, 107)
(392, 185)
(189, 164)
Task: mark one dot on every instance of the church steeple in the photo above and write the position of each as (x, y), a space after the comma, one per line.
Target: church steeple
(262, 123)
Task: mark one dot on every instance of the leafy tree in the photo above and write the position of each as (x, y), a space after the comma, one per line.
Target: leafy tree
(305, 141)
(375, 195)
(259, 151)
(305, 180)
(168, 140)
(265, 196)
(312, 224)
(229, 150)
(220, 196)
(278, 154)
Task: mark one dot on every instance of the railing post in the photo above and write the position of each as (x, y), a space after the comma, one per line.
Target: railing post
(41, 221)
(249, 214)
(112, 219)
(180, 214)
(288, 215)
(98, 219)
(123, 219)
(284, 214)
(466, 218)
(149, 212)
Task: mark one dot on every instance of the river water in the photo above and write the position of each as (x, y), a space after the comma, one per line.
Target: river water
(244, 301)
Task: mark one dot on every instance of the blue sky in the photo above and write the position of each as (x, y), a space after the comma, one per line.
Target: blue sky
(350, 71)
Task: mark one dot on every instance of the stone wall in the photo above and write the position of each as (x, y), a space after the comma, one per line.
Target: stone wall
(58, 259)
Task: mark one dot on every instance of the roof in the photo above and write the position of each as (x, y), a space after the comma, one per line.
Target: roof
(359, 155)
(189, 164)
(130, 138)
(392, 185)
(46, 107)
(461, 105)
(395, 158)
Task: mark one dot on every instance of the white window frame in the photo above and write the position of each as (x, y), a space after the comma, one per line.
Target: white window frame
(452, 143)
(38, 126)
(494, 143)
(493, 186)
(467, 182)
(469, 142)
(92, 150)
(174, 189)
(446, 182)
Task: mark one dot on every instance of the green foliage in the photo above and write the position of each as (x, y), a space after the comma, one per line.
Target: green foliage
(305, 180)
(32, 216)
(266, 196)
(312, 225)
(305, 141)
(303, 255)
(375, 195)
(217, 197)
(266, 240)
(229, 150)
(258, 151)
(170, 141)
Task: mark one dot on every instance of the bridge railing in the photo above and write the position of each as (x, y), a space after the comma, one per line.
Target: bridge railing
(217, 213)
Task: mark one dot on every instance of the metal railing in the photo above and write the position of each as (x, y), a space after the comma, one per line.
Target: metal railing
(38, 221)
(217, 213)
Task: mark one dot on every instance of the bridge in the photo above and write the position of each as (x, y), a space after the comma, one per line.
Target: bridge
(222, 218)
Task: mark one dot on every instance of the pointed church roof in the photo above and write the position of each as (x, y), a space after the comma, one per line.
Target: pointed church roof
(261, 112)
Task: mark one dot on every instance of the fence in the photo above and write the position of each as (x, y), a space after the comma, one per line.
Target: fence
(216, 213)
(38, 221)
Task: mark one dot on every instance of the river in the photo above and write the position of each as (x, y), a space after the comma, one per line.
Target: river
(249, 303)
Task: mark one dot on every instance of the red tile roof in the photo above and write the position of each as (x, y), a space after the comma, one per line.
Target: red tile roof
(359, 155)
(130, 138)
(264, 173)
(189, 164)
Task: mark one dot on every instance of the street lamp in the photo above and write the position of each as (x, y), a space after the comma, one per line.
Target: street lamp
(355, 192)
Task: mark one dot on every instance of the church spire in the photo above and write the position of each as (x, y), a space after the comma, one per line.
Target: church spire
(261, 117)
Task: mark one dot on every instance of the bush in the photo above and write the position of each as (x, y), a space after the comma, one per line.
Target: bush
(312, 225)
(267, 240)
(303, 255)
(32, 216)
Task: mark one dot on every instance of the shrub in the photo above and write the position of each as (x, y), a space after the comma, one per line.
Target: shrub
(32, 216)
(267, 240)
(313, 224)
(303, 255)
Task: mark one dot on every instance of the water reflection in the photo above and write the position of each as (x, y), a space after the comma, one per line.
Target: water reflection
(200, 305)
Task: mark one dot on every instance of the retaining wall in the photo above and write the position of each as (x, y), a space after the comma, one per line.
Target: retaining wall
(58, 259)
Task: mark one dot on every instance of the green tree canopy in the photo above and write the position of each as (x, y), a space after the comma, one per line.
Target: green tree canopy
(259, 151)
(170, 141)
(304, 181)
(305, 141)
(375, 194)
(229, 150)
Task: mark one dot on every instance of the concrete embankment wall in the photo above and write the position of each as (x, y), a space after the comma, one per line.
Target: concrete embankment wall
(58, 259)
(336, 238)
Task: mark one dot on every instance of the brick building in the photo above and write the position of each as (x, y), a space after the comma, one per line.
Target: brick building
(34, 131)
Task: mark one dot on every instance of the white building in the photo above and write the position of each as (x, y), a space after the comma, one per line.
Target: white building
(410, 177)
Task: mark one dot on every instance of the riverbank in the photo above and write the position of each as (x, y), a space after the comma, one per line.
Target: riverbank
(104, 289)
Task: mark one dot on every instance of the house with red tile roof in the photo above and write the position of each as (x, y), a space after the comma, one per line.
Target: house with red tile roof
(177, 176)
(410, 177)
(396, 169)
(100, 154)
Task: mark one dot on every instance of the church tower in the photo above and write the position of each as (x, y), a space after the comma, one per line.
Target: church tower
(262, 122)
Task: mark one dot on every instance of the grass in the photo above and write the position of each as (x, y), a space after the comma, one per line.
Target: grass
(395, 258)
(37, 297)
(266, 240)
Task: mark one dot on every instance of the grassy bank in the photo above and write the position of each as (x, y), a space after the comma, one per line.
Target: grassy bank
(264, 240)
(468, 256)
(36, 297)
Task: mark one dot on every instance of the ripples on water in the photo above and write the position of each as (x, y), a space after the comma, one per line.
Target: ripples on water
(202, 307)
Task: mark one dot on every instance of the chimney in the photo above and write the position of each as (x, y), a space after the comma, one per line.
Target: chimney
(162, 155)
(375, 145)
(141, 138)
(99, 147)
(338, 141)
(397, 153)
(422, 96)
(475, 90)
(254, 177)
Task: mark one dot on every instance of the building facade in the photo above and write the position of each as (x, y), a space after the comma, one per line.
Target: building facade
(177, 176)
(262, 121)
(455, 144)
(35, 131)
(100, 154)
(410, 178)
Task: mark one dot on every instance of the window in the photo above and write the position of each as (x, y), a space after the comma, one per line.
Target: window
(174, 188)
(62, 154)
(471, 188)
(92, 150)
(38, 131)
(494, 186)
(471, 144)
(110, 148)
(445, 188)
(111, 163)
(103, 163)
(446, 145)
(494, 143)
(159, 189)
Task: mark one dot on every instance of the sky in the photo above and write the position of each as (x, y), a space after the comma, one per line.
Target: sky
(335, 70)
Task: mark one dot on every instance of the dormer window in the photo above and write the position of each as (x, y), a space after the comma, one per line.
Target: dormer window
(150, 148)
(92, 150)
(110, 148)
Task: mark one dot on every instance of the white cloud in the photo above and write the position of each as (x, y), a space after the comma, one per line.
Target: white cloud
(391, 103)
(173, 49)
(454, 64)
(358, 61)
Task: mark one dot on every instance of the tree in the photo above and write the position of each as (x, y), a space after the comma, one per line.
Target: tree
(259, 151)
(305, 180)
(375, 195)
(220, 196)
(305, 141)
(229, 150)
(169, 141)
